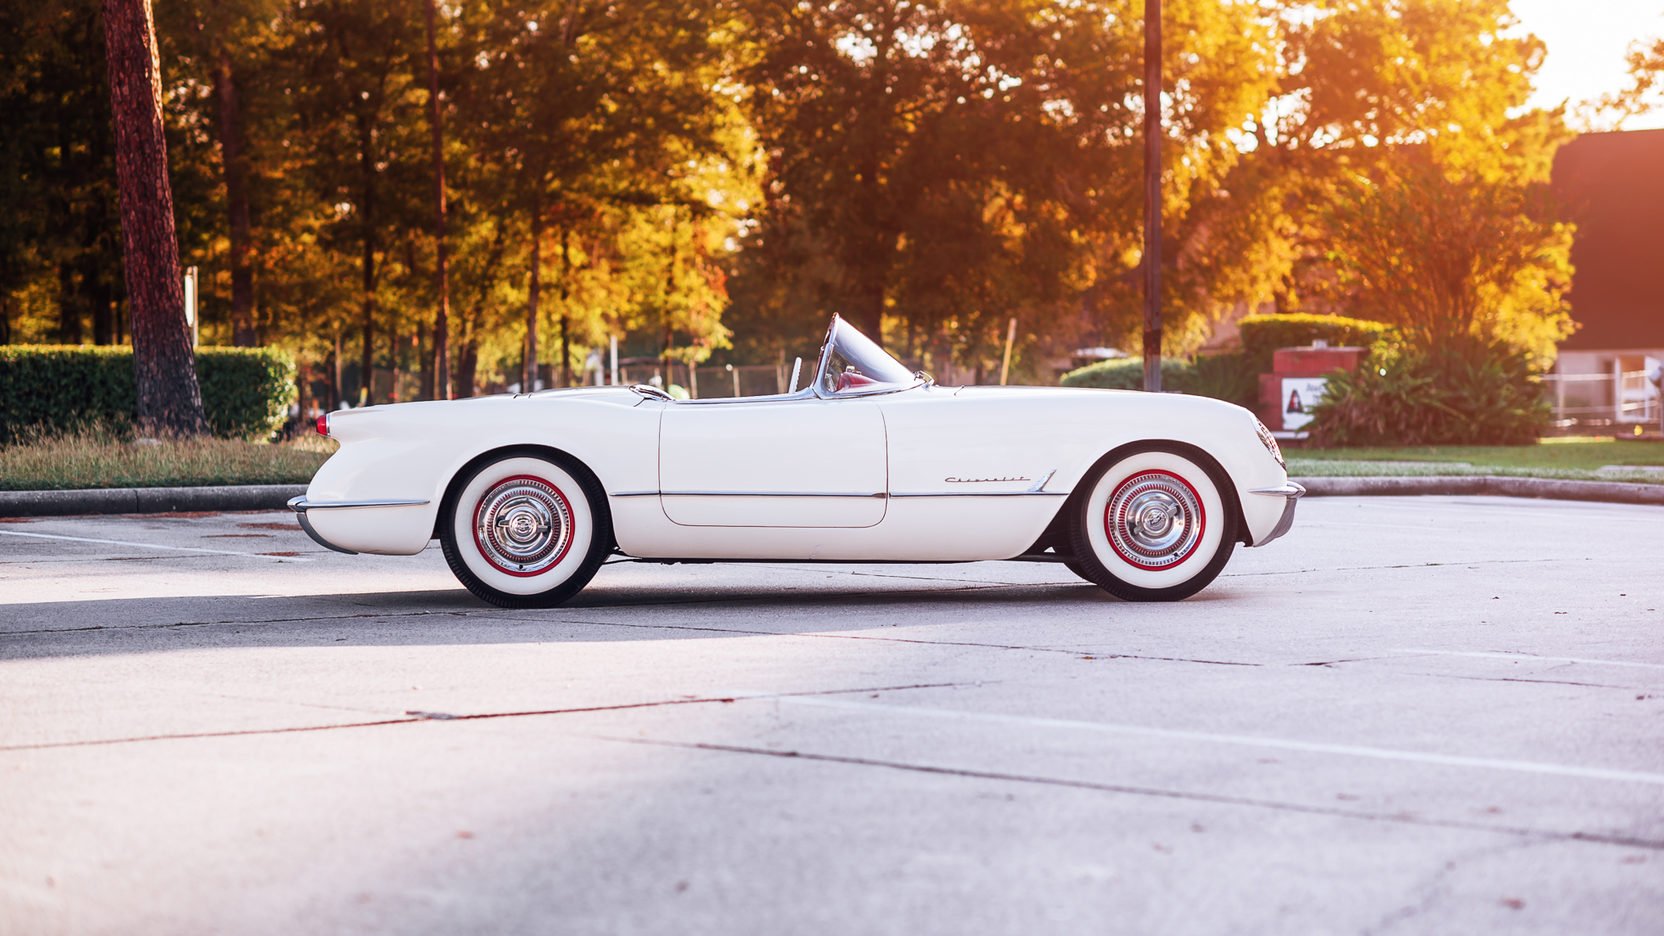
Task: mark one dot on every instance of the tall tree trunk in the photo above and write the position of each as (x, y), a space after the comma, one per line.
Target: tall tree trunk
(441, 327)
(103, 306)
(441, 324)
(164, 368)
(367, 263)
(234, 166)
(533, 293)
(466, 371)
(5, 316)
(335, 372)
(565, 308)
(467, 367)
(69, 305)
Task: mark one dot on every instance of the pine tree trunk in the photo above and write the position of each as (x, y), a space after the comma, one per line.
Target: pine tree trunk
(164, 368)
(367, 263)
(441, 316)
(533, 293)
(565, 308)
(234, 165)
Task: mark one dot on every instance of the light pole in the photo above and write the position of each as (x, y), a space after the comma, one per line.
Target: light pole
(1152, 195)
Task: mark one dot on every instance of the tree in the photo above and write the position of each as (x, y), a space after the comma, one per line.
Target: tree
(1403, 151)
(441, 324)
(953, 164)
(164, 369)
(1646, 89)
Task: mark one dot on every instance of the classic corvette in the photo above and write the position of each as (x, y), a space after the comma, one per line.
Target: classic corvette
(1145, 495)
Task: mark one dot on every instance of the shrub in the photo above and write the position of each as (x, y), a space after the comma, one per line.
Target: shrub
(1221, 376)
(1472, 392)
(246, 392)
(1264, 334)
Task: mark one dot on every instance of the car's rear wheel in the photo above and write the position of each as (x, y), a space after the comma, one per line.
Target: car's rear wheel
(525, 531)
(1156, 525)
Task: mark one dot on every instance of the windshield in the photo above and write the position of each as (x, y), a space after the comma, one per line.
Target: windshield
(853, 363)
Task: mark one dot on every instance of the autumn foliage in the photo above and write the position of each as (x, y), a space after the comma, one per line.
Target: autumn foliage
(708, 179)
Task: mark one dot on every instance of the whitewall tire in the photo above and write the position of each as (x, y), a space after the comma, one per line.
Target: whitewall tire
(525, 531)
(1155, 525)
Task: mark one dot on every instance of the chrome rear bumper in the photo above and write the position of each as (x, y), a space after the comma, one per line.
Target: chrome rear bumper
(1290, 491)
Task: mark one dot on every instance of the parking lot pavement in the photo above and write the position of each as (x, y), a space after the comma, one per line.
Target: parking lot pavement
(1411, 715)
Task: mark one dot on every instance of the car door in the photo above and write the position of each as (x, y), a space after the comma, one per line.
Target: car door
(783, 462)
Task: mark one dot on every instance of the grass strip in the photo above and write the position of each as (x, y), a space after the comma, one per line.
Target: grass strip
(98, 459)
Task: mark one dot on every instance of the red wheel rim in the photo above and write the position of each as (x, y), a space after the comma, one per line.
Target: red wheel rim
(523, 526)
(1154, 520)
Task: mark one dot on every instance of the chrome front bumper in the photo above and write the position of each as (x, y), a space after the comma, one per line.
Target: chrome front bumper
(300, 505)
(1290, 491)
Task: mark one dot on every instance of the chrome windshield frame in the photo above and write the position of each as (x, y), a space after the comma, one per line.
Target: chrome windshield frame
(818, 385)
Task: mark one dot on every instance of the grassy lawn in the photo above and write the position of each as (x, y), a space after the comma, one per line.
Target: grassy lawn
(99, 460)
(1574, 458)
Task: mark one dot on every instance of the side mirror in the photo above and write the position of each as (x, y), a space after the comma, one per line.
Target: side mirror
(797, 370)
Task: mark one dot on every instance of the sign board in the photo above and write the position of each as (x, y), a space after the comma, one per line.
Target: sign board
(1299, 393)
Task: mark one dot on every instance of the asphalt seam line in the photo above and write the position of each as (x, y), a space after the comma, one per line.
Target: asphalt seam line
(1216, 798)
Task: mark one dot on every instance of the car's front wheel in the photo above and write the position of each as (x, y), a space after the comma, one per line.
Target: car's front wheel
(523, 531)
(1156, 525)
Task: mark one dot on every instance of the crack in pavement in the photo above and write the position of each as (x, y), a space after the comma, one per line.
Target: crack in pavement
(413, 717)
(1549, 682)
(1158, 792)
(494, 615)
(1435, 886)
(821, 635)
(1409, 565)
(284, 620)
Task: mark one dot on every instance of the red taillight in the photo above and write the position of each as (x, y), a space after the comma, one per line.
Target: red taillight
(323, 424)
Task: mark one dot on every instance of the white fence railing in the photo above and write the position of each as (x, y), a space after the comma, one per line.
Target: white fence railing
(1617, 397)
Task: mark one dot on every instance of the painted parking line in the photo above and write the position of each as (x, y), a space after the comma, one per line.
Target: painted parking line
(1253, 741)
(1530, 657)
(189, 549)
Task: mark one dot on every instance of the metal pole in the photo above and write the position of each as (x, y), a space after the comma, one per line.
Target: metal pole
(613, 351)
(1152, 195)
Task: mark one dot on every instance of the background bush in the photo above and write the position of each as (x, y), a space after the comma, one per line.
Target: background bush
(1471, 393)
(1264, 334)
(246, 392)
(1221, 376)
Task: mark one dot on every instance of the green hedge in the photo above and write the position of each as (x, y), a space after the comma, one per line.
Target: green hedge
(1264, 334)
(246, 392)
(1221, 376)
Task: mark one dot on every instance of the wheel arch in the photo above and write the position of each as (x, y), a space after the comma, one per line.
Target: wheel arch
(559, 456)
(1056, 534)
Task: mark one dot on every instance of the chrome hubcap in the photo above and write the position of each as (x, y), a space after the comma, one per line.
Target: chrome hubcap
(1154, 520)
(523, 525)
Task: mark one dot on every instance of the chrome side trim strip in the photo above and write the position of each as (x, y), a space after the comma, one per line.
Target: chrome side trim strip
(1040, 486)
(301, 505)
(1028, 493)
(1288, 489)
(770, 494)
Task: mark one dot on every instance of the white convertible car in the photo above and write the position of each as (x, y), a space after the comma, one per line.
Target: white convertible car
(1143, 494)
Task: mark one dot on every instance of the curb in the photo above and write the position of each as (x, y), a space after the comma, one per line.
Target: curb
(147, 500)
(1611, 492)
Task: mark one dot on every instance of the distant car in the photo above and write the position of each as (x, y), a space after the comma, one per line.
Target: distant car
(1143, 494)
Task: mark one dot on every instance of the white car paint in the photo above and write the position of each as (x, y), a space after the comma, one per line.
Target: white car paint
(923, 473)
